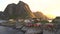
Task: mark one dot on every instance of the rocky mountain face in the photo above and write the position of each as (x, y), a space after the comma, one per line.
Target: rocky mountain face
(21, 10)
(10, 10)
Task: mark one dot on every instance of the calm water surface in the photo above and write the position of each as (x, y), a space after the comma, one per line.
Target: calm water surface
(8, 30)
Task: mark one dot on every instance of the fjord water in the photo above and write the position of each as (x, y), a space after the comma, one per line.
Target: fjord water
(8, 30)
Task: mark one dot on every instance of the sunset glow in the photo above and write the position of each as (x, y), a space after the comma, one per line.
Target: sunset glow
(49, 7)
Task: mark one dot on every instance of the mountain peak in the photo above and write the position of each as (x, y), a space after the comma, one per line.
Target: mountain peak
(21, 2)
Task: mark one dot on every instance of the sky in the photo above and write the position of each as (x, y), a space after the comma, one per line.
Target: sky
(50, 8)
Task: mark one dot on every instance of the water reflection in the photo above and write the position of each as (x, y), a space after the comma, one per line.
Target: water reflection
(8, 30)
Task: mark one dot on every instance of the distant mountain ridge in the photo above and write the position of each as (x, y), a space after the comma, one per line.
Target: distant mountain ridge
(40, 15)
